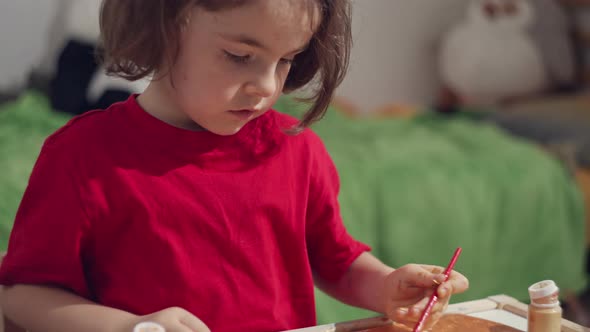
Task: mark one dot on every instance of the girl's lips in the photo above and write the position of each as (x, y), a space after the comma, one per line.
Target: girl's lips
(242, 113)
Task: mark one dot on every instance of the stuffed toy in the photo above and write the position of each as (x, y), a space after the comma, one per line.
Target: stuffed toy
(79, 83)
(490, 57)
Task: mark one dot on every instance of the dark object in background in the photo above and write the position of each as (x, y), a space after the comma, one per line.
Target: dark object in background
(108, 98)
(76, 67)
(560, 128)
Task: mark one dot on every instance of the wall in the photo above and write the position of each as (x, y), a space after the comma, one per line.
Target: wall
(393, 60)
(25, 28)
(395, 50)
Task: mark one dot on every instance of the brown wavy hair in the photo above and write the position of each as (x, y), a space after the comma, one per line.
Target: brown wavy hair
(140, 37)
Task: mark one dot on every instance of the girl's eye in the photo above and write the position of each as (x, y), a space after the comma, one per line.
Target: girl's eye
(287, 62)
(239, 59)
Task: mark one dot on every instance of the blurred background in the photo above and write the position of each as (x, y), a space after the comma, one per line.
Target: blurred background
(461, 123)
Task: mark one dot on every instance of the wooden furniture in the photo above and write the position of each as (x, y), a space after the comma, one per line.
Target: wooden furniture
(498, 308)
(579, 12)
(506, 310)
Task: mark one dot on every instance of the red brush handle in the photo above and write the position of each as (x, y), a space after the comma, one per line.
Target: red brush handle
(434, 296)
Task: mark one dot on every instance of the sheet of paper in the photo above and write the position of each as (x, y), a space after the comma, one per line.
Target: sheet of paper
(504, 317)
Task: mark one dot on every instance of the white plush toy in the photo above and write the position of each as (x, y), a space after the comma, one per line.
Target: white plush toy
(490, 57)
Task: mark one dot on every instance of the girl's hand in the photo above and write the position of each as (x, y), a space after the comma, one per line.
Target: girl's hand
(174, 320)
(408, 289)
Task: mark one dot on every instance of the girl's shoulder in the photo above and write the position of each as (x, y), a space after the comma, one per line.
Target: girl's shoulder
(286, 122)
(86, 132)
(306, 139)
(283, 119)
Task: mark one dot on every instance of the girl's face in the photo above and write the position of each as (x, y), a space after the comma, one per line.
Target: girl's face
(233, 64)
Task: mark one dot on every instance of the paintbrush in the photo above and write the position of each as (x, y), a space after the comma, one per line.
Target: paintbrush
(434, 296)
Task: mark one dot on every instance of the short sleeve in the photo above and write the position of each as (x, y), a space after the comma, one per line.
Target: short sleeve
(47, 241)
(331, 248)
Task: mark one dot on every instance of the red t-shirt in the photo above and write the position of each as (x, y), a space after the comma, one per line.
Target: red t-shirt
(135, 214)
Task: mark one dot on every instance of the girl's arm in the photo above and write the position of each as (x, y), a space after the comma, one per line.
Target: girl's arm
(400, 293)
(362, 285)
(37, 308)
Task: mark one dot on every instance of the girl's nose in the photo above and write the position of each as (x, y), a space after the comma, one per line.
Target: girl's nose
(263, 85)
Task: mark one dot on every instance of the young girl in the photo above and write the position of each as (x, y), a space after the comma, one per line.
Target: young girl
(193, 205)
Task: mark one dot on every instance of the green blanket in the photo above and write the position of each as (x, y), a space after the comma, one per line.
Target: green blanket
(414, 189)
(24, 125)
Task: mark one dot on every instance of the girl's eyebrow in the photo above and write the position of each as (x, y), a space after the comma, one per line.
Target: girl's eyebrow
(244, 39)
(250, 41)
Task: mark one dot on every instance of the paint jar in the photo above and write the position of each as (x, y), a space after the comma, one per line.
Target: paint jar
(544, 311)
(148, 327)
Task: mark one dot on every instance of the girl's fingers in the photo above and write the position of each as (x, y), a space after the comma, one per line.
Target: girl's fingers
(422, 276)
(410, 313)
(405, 316)
(457, 283)
(409, 317)
(444, 291)
(432, 319)
(419, 307)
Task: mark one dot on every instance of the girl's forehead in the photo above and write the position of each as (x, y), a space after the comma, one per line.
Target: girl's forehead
(302, 14)
(275, 21)
(289, 9)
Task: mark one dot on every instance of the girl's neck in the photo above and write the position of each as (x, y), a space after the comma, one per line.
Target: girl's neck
(157, 101)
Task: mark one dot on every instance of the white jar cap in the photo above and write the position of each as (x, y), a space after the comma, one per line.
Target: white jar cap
(149, 327)
(542, 289)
